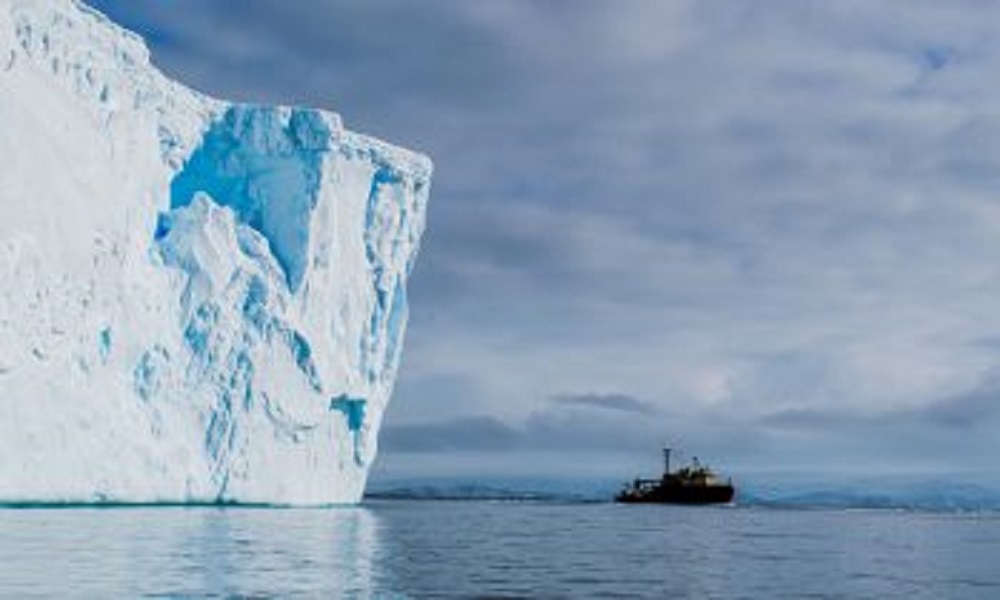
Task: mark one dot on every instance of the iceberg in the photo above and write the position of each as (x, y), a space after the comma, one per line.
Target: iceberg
(200, 301)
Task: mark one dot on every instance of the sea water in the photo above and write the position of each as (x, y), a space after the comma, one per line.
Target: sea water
(437, 549)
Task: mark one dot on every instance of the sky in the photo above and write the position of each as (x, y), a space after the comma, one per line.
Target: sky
(765, 232)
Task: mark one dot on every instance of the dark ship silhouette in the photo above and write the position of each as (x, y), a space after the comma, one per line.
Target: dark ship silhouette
(693, 484)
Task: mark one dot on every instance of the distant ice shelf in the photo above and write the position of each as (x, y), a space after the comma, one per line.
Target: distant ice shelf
(200, 301)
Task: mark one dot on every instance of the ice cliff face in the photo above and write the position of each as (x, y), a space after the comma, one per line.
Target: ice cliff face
(199, 301)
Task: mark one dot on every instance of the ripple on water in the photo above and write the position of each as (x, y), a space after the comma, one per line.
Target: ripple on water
(468, 549)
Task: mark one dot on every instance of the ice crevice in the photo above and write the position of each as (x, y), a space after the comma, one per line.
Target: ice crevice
(265, 164)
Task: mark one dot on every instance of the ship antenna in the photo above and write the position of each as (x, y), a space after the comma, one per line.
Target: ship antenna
(666, 461)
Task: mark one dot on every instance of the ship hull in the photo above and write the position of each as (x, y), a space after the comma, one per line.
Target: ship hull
(680, 494)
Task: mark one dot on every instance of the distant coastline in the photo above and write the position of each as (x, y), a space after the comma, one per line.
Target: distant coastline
(934, 496)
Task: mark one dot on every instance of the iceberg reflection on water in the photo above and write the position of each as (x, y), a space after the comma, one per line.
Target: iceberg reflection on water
(469, 549)
(189, 552)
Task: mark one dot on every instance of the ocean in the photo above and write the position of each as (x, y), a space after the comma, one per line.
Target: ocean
(497, 549)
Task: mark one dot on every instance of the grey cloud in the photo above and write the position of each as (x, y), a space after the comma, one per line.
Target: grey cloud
(481, 433)
(569, 423)
(725, 207)
(961, 414)
(591, 430)
(542, 430)
(616, 402)
(977, 408)
(421, 396)
(388, 58)
(808, 419)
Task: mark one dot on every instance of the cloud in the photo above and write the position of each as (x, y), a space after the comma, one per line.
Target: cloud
(576, 423)
(479, 433)
(615, 402)
(777, 216)
(951, 433)
(978, 408)
(961, 414)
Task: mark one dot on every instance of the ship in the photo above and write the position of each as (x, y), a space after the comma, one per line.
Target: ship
(692, 484)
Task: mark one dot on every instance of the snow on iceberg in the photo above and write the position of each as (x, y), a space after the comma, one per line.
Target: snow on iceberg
(200, 301)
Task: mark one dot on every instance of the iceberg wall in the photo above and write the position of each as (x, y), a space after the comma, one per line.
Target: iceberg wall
(199, 301)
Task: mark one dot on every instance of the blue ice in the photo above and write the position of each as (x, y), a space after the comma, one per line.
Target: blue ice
(267, 168)
(354, 411)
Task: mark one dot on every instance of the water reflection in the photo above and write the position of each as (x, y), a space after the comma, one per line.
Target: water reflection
(476, 549)
(192, 553)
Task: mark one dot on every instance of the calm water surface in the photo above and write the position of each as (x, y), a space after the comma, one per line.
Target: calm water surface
(482, 549)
